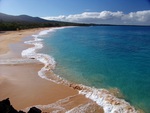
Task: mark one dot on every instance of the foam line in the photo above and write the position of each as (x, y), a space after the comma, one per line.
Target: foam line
(108, 101)
(17, 61)
(102, 97)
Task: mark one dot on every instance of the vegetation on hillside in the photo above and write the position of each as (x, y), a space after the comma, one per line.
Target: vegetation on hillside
(9, 22)
(7, 26)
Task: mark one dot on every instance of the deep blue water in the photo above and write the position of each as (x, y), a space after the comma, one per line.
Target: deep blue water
(105, 57)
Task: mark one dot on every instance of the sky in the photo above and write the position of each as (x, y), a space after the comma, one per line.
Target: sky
(87, 11)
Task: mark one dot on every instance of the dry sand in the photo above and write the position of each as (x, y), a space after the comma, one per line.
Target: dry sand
(21, 83)
(14, 36)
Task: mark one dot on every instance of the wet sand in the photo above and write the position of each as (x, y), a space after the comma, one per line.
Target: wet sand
(21, 83)
(8, 37)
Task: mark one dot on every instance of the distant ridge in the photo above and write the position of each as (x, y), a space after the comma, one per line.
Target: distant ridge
(20, 18)
(10, 22)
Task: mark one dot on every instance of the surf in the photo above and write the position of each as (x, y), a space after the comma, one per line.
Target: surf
(102, 97)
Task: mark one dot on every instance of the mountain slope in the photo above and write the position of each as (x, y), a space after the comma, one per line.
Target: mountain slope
(10, 22)
(25, 18)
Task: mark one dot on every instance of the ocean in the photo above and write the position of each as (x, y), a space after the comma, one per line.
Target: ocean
(115, 58)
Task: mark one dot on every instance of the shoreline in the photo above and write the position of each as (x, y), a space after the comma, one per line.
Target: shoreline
(18, 85)
(102, 97)
(9, 37)
(101, 100)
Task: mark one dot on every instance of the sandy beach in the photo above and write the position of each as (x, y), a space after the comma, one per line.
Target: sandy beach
(21, 83)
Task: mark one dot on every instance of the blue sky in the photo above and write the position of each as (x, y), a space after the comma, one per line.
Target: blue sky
(64, 9)
(67, 7)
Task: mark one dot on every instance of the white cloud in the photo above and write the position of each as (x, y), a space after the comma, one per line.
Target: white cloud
(107, 17)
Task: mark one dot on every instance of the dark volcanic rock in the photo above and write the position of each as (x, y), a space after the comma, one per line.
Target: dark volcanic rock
(6, 107)
(34, 110)
(21, 112)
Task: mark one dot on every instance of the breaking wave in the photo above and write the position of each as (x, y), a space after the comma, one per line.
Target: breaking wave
(109, 102)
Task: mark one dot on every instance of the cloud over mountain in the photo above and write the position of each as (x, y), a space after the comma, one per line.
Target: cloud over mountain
(107, 17)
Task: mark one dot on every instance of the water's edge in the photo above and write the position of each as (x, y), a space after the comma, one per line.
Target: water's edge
(102, 97)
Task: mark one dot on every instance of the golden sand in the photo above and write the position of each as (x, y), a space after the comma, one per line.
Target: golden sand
(21, 83)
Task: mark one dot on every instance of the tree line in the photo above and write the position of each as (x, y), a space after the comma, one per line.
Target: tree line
(9, 26)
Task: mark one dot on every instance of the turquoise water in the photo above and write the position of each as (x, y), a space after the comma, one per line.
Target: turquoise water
(105, 57)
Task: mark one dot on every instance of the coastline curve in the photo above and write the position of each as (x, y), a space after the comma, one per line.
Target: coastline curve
(102, 97)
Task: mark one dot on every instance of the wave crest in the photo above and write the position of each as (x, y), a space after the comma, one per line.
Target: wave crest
(102, 97)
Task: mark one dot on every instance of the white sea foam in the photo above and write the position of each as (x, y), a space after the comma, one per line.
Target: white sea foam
(55, 107)
(108, 101)
(102, 97)
(45, 59)
(17, 61)
(83, 108)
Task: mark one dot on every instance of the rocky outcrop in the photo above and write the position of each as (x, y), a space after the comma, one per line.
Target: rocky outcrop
(34, 110)
(6, 107)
